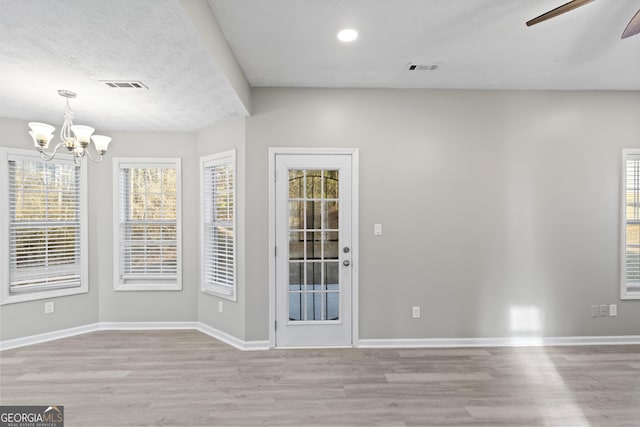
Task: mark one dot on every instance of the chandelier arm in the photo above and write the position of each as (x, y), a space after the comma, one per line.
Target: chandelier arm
(90, 156)
(48, 156)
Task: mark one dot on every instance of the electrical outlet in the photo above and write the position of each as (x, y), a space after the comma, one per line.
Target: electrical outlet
(594, 311)
(604, 310)
(416, 312)
(219, 306)
(48, 307)
(613, 310)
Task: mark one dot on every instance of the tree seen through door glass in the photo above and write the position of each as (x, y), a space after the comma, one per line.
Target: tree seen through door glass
(313, 184)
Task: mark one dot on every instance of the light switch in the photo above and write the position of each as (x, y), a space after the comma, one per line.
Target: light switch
(604, 310)
(377, 229)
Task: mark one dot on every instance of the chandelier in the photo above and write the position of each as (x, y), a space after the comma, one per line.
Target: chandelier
(75, 138)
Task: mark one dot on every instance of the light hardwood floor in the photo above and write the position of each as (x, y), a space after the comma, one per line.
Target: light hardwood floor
(187, 378)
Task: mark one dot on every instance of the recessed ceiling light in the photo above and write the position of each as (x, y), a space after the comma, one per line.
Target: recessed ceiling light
(347, 35)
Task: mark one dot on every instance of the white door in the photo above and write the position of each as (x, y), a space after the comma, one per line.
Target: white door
(313, 250)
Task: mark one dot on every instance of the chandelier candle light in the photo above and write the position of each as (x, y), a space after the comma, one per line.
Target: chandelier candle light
(77, 144)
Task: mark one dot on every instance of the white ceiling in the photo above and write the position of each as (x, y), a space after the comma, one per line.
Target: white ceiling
(480, 44)
(46, 45)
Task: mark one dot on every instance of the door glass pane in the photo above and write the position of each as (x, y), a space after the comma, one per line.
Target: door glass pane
(296, 276)
(314, 276)
(314, 215)
(296, 306)
(331, 184)
(314, 306)
(330, 245)
(331, 305)
(296, 215)
(330, 216)
(314, 184)
(296, 184)
(296, 245)
(331, 276)
(314, 247)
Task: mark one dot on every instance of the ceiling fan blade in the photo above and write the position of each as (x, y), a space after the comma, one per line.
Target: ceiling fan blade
(634, 26)
(574, 4)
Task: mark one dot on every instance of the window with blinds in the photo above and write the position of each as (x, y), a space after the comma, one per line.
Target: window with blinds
(630, 277)
(218, 225)
(45, 228)
(148, 229)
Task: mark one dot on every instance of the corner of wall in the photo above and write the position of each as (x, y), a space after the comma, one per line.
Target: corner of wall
(225, 316)
(205, 22)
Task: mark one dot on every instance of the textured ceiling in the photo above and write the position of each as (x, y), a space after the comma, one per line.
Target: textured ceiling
(479, 44)
(48, 45)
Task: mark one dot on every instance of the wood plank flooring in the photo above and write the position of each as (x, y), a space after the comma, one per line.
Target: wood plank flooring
(187, 378)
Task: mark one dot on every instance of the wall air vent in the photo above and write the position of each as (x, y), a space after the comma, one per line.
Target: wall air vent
(124, 84)
(422, 67)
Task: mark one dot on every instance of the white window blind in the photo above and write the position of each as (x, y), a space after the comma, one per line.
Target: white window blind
(219, 230)
(45, 225)
(148, 228)
(631, 225)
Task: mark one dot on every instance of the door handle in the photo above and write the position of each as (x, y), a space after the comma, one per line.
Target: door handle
(346, 263)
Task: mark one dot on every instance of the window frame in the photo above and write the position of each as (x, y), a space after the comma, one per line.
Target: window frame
(625, 294)
(222, 291)
(151, 284)
(6, 297)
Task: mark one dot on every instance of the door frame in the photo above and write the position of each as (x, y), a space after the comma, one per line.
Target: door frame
(353, 152)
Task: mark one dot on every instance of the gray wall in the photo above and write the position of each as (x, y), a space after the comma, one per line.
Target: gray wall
(489, 200)
(28, 318)
(223, 137)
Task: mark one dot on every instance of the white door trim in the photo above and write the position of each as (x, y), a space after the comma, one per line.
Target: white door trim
(353, 152)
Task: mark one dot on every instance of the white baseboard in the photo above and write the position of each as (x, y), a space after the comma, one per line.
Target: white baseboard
(231, 340)
(256, 345)
(363, 343)
(497, 342)
(135, 326)
(47, 336)
(605, 340)
(145, 326)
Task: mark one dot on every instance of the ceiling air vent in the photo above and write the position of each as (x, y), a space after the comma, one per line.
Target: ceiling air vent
(422, 67)
(124, 84)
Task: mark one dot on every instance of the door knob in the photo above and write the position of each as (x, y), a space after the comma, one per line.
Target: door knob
(346, 263)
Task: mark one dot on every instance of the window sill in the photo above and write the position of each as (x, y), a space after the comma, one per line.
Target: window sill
(224, 293)
(39, 295)
(147, 287)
